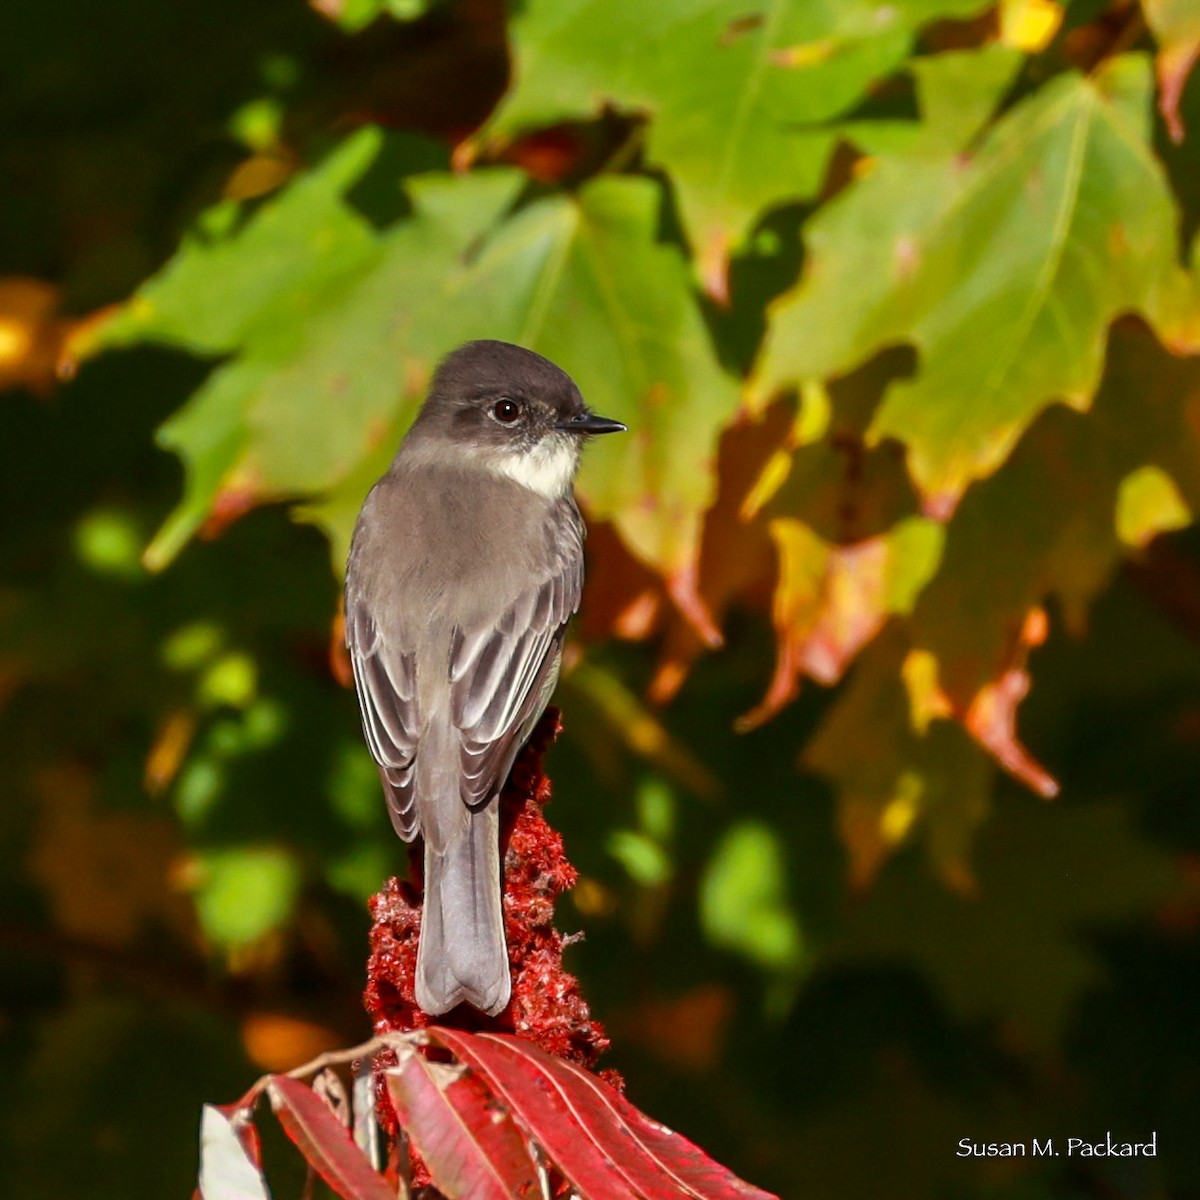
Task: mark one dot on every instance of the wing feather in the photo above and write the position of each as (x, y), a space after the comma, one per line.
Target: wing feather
(386, 682)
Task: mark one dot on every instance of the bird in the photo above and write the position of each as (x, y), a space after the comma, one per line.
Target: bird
(465, 565)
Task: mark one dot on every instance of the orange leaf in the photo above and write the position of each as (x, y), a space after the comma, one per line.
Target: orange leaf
(32, 334)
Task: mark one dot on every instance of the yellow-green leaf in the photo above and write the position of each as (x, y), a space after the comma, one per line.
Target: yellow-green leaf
(1003, 268)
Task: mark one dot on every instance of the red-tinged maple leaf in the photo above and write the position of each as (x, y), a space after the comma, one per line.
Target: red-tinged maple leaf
(240, 492)
(992, 715)
(831, 601)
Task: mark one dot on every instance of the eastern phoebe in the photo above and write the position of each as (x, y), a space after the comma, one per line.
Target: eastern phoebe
(466, 563)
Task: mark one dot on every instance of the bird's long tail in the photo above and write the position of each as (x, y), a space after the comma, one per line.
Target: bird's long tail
(462, 953)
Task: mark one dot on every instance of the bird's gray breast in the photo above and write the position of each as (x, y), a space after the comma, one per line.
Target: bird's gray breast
(439, 550)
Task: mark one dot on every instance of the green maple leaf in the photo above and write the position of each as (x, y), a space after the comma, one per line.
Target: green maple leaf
(1003, 268)
(741, 99)
(320, 317)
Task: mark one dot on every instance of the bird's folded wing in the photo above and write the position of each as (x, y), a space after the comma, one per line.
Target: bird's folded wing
(501, 676)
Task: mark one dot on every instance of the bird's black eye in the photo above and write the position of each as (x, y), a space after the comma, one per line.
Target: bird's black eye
(506, 411)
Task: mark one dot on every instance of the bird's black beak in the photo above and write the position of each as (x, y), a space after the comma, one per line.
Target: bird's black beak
(590, 423)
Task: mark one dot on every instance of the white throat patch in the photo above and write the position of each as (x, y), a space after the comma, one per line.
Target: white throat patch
(548, 469)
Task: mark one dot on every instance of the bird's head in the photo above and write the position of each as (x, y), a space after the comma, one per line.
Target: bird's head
(511, 412)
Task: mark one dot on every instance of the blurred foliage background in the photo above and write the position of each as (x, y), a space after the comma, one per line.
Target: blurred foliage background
(899, 303)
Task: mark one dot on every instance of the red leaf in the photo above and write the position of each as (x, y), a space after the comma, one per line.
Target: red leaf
(324, 1141)
(597, 1139)
(230, 1164)
(469, 1143)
